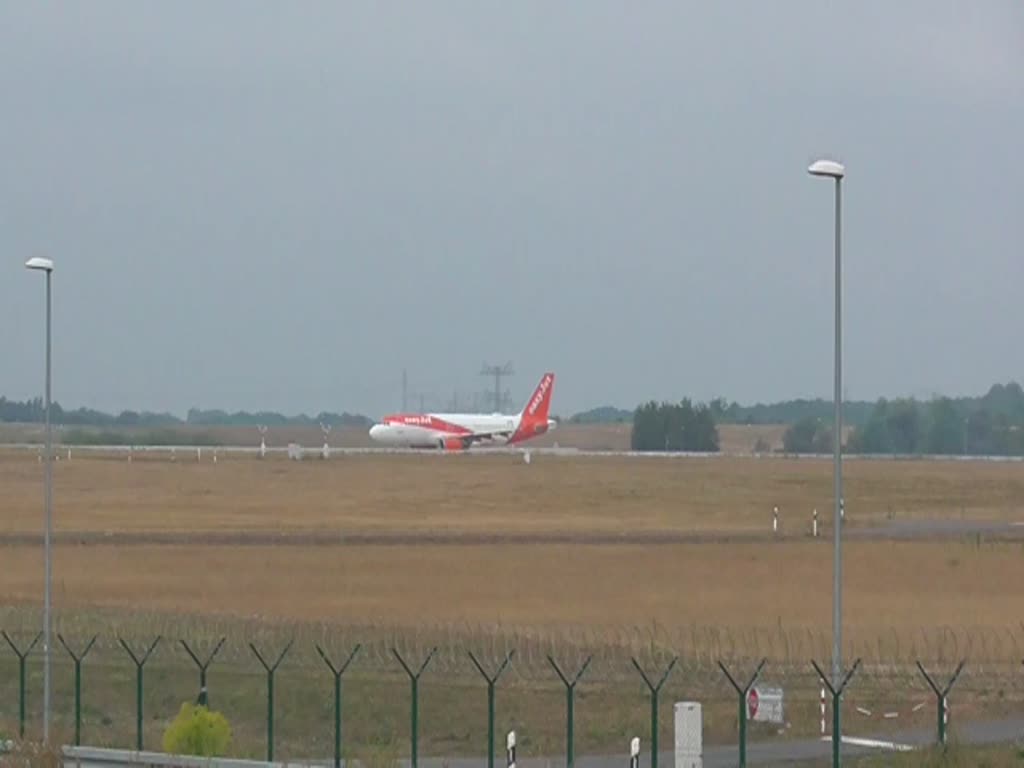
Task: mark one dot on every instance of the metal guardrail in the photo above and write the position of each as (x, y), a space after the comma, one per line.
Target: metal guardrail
(96, 757)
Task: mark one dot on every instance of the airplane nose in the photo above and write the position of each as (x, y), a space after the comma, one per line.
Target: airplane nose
(376, 431)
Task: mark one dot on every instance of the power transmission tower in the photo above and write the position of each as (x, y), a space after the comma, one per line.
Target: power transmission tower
(497, 371)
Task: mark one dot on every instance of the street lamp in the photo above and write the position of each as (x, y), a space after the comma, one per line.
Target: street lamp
(46, 265)
(833, 170)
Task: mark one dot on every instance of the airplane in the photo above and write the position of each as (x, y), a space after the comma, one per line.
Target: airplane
(459, 431)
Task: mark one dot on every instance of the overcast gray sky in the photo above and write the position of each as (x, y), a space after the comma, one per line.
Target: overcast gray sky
(280, 205)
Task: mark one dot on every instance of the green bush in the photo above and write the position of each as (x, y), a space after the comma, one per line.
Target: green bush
(198, 731)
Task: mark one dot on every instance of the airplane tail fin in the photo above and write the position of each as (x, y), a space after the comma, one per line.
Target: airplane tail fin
(536, 409)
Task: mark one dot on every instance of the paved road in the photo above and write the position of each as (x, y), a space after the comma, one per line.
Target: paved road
(904, 530)
(768, 754)
(765, 754)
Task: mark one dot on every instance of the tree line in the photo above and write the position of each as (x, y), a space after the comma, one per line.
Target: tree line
(679, 426)
(992, 425)
(33, 412)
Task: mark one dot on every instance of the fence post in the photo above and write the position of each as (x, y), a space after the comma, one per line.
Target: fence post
(271, 668)
(490, 701)
(570, 694)
(22, 655)
(940, 694)
(743, 692)
(836, 695)
(139, 664)
(655, 689)
(414, 680)
(78, 683)
(203, 694)
(337, 672)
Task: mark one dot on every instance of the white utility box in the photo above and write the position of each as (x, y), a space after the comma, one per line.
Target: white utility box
(689, 732)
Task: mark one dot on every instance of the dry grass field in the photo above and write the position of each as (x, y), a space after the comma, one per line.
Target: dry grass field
(642, 569)
(492, 494)
(736, 596)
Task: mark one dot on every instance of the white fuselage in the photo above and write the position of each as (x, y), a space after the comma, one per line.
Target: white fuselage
(428, 430)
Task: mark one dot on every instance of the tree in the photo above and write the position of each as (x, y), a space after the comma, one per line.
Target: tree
(946, 429)
(905, 428)
(809, 435)
(648, 431)
(701, 432)
(799, 438)
(873, 437)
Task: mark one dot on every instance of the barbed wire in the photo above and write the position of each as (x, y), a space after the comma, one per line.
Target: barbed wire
(888, 656)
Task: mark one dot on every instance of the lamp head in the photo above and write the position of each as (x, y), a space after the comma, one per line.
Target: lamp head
(829, 168)
(38, 262)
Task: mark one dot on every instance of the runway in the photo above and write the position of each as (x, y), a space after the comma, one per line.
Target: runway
(312, 453)
(918, 530)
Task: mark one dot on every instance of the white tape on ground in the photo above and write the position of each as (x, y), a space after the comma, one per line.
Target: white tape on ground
(858, 742)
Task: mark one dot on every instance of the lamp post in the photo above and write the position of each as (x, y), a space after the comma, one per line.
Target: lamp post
(833, 170)
(46, 265)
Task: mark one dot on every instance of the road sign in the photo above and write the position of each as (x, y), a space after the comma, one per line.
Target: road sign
(764, 704)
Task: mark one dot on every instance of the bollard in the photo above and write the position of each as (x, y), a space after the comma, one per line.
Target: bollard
(822, 710)
(634, 753)
(814, 526)
(775, 520)
(510, 750)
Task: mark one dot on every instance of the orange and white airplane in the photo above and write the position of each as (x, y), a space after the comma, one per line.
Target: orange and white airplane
(458, 431)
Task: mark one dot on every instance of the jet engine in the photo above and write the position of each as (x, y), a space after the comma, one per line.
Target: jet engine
(452, 444)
